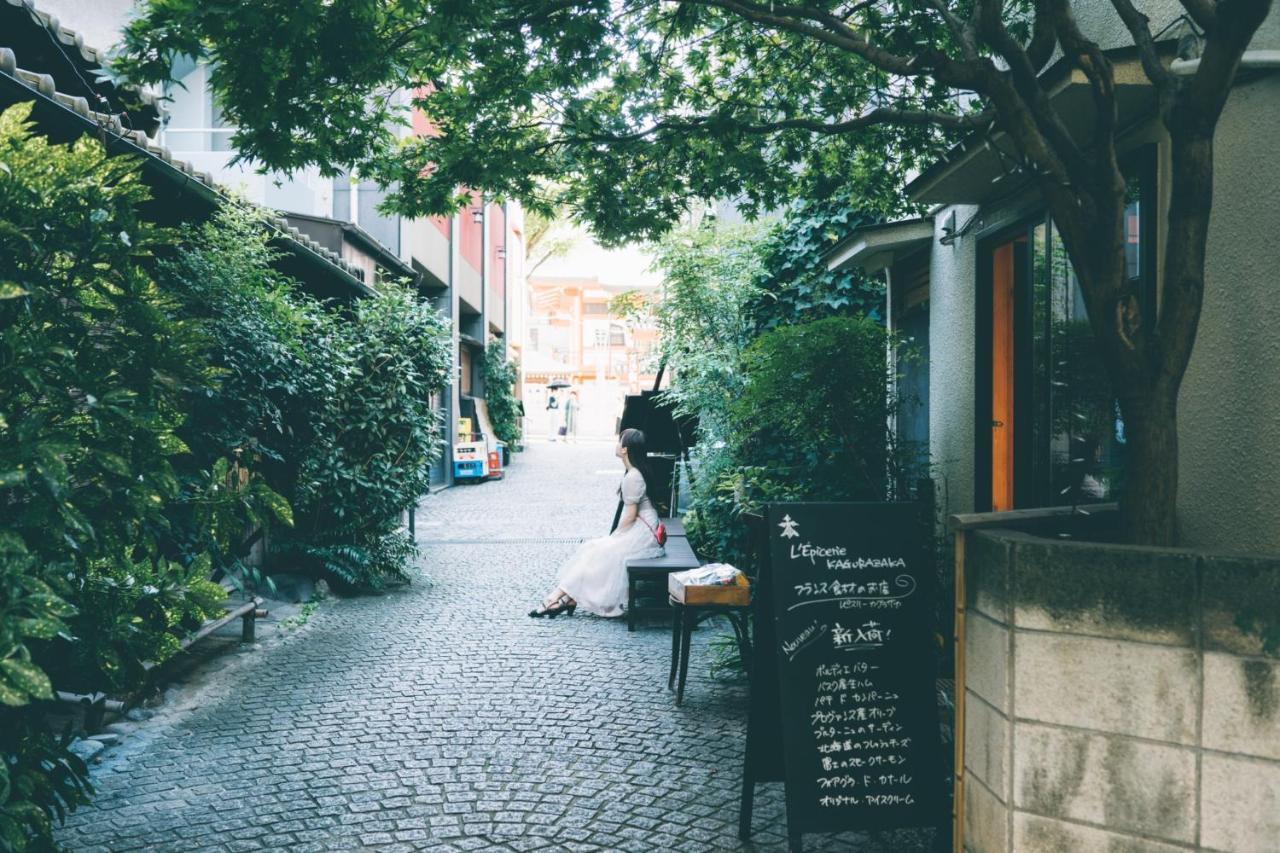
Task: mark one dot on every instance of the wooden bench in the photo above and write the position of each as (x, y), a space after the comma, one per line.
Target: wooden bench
(647, 577)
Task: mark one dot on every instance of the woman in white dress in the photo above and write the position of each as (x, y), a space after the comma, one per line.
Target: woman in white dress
(595, 577)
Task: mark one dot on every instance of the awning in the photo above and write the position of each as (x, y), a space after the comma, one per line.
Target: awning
(983, 166)
(873, 247)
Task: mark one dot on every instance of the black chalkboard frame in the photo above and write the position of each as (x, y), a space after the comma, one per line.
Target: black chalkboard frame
(765, 757)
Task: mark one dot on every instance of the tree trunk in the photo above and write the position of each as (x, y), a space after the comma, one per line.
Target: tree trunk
(1148, 509)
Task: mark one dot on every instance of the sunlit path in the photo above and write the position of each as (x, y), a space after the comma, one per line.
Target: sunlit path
(441, 717)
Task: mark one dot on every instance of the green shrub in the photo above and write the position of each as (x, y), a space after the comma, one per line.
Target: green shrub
(811, 423)
(95, 363)
(321, 417)
(245, 431)
(500, 375)
(130, 612)
(374, 433)
(816, 406)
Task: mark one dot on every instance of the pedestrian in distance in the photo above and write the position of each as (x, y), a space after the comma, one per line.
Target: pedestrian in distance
(571, 417)
(595, 577)
(553, 419)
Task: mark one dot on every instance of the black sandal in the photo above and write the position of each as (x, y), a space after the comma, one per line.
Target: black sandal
(553, 612)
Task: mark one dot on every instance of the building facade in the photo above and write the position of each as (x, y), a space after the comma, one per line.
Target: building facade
(574, 335)
(470, 265)
(1017, 413)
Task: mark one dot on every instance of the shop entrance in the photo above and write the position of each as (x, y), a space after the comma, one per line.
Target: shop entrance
(1002, 370)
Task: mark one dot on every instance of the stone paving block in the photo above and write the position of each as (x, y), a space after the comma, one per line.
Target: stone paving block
(439, 717)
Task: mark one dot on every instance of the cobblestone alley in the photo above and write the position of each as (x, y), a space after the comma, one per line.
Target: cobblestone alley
(440, 717)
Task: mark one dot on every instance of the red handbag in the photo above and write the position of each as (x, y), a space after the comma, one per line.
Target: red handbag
(659, 533)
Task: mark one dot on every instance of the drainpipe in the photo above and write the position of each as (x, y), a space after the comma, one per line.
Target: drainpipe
(1253, 59)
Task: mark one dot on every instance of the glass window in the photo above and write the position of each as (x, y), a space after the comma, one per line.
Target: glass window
(1078, 441)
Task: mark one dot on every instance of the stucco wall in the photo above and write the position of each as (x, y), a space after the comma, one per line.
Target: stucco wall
(1229, 425)
(951, 355)
(1112, 703)
(1229, 429)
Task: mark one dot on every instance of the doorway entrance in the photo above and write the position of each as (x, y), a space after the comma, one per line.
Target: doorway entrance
(1003, 371)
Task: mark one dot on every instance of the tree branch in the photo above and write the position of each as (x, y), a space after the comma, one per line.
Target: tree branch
(878, 116)
(803, 20)
(1140, 28)
(1203, 12)
(961, 30)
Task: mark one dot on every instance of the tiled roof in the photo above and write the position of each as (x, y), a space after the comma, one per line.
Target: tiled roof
(86, 60)
(44, 86)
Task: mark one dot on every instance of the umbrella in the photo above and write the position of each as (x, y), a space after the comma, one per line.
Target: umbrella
(558, 383)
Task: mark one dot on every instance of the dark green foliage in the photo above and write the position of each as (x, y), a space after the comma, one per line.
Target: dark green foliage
(321, 416)
(816, 406)
(241, 428)
(500, 375)
(96, 362)
(655, 103)
(810, 423)
(40, 781)
(783, 368)
(129, 612)
(374, 432)
(160, 403)
(796, 285)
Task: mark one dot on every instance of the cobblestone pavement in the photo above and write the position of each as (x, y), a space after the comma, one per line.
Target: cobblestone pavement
(440, 717)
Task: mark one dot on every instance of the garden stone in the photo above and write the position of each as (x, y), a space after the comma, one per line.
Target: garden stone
(292, 587)
(87, 749)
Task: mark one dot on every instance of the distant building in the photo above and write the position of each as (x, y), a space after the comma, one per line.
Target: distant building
(573, 336)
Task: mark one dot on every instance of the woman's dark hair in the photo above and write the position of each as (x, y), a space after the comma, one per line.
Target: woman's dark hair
(638, 455)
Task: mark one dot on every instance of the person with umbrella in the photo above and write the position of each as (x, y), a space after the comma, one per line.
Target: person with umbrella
(554, 423)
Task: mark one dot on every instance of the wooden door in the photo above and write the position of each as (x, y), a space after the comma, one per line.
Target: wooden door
(1002, 314)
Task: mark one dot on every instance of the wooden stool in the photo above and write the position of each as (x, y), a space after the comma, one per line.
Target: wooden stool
(686, 617)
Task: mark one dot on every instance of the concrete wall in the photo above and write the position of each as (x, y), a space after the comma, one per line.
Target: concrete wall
(951, 355)
(1113, 704)
(1229, 427)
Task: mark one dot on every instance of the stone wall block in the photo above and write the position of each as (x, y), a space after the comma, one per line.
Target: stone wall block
(1105, 590)
(1127, 785)
(1235, 587)
(986, 569)
(1239, 804)
(1242, 705)
(986, 747)
(1036, 834)
(987, 661)
(1107, 685)
(986, 821)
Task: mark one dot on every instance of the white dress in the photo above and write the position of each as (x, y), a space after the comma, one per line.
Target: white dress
(596, 575)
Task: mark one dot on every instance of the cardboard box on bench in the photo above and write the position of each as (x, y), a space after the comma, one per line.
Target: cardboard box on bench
(736, 594)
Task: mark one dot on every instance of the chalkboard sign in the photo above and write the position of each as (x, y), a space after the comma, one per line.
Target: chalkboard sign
(853, 603)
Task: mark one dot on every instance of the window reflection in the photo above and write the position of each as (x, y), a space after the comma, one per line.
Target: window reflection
(1085, 435)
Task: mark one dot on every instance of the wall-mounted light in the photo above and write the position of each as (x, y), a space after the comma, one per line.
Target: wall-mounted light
(502, 253)
(477, 215)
